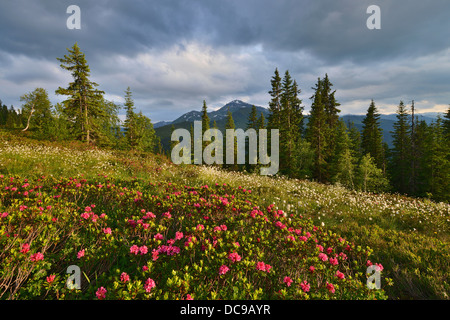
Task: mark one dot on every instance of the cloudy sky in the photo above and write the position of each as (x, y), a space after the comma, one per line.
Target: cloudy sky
(176, 53)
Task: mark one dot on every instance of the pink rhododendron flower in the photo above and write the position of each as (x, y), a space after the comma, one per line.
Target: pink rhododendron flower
(178, 235)
(330, 287)
(149, 285)
(311, 269)
(334, 261)
(85, 215)
(188, 297)
(158, 236)
(80, 254)
(223, 269)
(323, 257)
(124, 277)
(101, 293)
(155, 254)
(288, 281)
(25, 248)
(200, 227)
(134, 249)
(51, 278)
(107, 230)
(37, 257)
(260, 266)
(263, 267)
(305, 286)
(143, 249)
(234, 257)
(340, 275)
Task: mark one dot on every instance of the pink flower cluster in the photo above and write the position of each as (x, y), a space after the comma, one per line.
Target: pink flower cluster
(37, 257)
(263, 267)
(124, 277)
(223, 269)
(234, 257)
(101, 293)
(134, 249)
(25, 248)
(288, 281)
(222, 227)
(305, 286)
(149, 285)
(88, 213)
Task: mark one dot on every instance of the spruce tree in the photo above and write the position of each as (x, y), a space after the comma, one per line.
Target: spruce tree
(205, 124)
(331, 120)
(439, 164)
(423, 158)
(446, 125)
(400, 161)
(290, 127)
(343, 161)
(372, 136)
(355, 140)
(316, 131)
(275, 102)
(230, 161)
(261, 122)
(252, 121)
(84, 105)
(130, 127)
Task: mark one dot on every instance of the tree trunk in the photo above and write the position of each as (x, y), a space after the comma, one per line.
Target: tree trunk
(29, 118)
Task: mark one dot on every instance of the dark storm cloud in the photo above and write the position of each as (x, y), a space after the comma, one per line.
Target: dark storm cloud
(175, 53)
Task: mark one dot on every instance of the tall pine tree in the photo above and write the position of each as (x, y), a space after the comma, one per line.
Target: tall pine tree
(316, 132)
(84, 105)
(400, 160)
(372, 136)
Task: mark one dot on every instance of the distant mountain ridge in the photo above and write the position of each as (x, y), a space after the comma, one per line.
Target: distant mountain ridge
(241, 111)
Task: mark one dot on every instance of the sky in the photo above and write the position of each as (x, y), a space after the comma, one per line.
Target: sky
(174, 54)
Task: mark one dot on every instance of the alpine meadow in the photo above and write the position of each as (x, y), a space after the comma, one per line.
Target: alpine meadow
(305, 197)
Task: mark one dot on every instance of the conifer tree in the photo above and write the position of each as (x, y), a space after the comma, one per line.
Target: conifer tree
(331, 120)
(252, 121)
(205, 124)
(290, 127)
(355, 140)
(261, 122)
(400, 161)
(439, 164)
(230, 144)
(372, 136)
(84, 105)
(3, 114)
(423, 158)
(343, 161)
(130, 120)
(315, 133)
(275, 103)
(446, 125)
